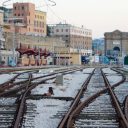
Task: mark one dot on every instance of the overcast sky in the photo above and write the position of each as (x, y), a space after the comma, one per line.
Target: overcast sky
(98, 15)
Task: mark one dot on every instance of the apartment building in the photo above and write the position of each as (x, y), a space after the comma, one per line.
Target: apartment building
(77, 38)
(24, 19)
(40, 23)
(34, 21)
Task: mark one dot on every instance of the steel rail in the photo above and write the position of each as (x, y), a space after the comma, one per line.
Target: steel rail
(75, 102)
(122, 119)
(88, 101)
(126, 108)
(21, 106)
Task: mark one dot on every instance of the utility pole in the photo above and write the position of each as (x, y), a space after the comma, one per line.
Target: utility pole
(13, 44)
(0, 43)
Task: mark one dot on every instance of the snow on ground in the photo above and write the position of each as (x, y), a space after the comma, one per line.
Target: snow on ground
(7, 101)
(121, 91)
(71, 84)
(109, 71)
(6, 77)
(44, 72)
(46, 112)
(114, 79)
(112, 76)
(88, 70)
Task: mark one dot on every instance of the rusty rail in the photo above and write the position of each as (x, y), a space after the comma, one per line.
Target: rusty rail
(120, 114)
(22, 105)
(126, 108)
(87, 102)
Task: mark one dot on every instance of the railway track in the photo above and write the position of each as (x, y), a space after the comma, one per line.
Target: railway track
(18, 83)
(99, 107)
(19, 104)
(93, 106)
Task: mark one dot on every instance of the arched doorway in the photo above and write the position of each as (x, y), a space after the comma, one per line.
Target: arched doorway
(116, 51)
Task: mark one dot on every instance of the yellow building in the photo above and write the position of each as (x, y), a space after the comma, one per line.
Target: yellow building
(40, 23)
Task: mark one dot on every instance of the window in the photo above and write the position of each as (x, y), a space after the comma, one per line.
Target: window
(57, 30)
(66, 30)
(18, 14)
(35, 23)
(15, 8)
(40, 23)
(22, 7)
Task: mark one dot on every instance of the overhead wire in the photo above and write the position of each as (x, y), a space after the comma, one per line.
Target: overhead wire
(3, 4)
(54, 3)
(48, 7)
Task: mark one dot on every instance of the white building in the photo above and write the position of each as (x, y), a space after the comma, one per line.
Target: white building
(78, 39)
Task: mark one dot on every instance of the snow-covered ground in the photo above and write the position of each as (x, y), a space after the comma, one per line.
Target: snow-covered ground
(6, 77)
(114, 79)
(7, 101)
(71, 84)
(47, 111)
(112, 76)
(109, 71)
(121, 91)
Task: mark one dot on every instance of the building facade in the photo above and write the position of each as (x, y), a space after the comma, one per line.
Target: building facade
(98, 46)
(34, 21)
(8, 13)
(40, 23)
(24, 19)
(1, 17)
(79, 39)
(116, 43)
(2, 40)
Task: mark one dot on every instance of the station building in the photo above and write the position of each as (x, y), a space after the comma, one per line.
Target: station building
(116, 43)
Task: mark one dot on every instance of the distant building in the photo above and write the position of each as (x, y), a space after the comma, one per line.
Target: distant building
(116, 43)
(24, 19)
(77, 38)
(34, 21)
(40, 23)
(1, 17)
(2, 40)
(98, 46)
(8, 13)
